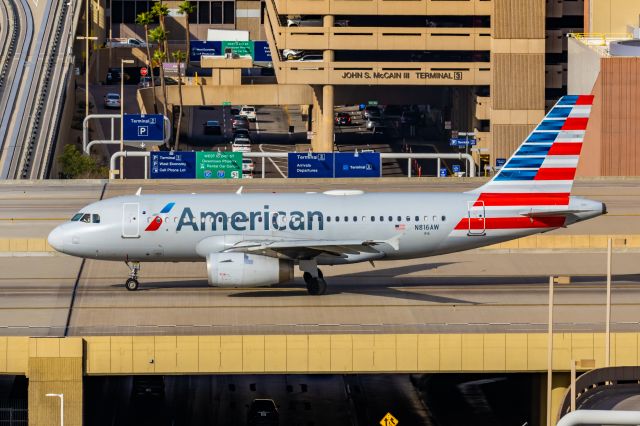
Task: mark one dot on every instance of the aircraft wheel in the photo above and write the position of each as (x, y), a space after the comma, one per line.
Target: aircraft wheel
(131, 284)
(322, 286)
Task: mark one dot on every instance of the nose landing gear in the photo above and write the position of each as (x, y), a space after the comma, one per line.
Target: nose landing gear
(132, 283)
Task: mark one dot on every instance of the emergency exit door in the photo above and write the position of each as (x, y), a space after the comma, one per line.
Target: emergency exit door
(131, 220)
(477, 219)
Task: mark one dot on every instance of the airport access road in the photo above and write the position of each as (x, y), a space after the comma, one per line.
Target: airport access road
(31, 209)
(476, 291)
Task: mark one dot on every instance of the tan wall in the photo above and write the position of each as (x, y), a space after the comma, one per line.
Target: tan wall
(590, 163)
(384, 7)
(518, 81)
(507, 137)
(584, 68)
(518, 19)
(264, 94)
(613, 16)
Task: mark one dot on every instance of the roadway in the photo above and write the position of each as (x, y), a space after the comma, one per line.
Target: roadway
(479, 291)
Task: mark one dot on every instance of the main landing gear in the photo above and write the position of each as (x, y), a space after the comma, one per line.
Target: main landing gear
(316, 285)
(132, 283)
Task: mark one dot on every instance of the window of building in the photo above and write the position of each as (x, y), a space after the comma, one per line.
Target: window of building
(203, 12)
(229, 12)
(193, 16)
(216, 12)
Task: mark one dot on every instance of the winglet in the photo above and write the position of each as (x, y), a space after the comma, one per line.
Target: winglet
(139, 191)
(239, 191)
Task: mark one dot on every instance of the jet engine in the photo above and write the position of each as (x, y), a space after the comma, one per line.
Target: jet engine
(246, 270)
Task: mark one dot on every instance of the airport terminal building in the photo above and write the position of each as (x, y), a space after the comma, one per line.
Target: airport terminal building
(486, 66)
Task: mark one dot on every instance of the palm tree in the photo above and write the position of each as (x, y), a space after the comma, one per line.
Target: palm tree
(160, 10)
(187, 8)
(179, 56)
(159, 56)
(145, 19)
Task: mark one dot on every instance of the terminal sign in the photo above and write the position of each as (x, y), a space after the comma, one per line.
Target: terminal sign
(310, 165)
(143, 128)
(172, 165)
(362, 164)
(218, 165)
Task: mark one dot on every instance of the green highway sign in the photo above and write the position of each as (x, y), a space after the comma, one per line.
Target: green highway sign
(373, 103)
(226, 103)
(218, 165)
(239, 47)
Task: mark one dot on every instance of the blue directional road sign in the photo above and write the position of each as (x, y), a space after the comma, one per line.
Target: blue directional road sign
(261, 51)
(500, 162)
(455, 168)
(173, 165)
(143, 128)
(443, 172)
(208, 48)
(461, 142)
(362, 164)
(310, 165)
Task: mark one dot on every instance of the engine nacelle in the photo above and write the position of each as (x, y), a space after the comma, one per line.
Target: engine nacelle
(247, 270)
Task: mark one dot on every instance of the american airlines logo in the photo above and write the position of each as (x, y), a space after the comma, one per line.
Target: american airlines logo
(156, 222)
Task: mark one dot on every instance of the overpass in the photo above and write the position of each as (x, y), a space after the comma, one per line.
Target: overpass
(479, 311)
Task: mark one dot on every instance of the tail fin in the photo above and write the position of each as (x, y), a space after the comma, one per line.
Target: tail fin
(546, 161)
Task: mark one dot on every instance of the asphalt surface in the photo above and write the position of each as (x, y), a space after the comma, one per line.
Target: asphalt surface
(476, 291)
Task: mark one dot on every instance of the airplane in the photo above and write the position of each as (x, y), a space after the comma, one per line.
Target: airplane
(252, 240)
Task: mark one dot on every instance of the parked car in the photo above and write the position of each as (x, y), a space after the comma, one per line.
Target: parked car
(212, 127)
(263, 412)
(249, 112)
(371, 111)
(307, 21)
(112, 100)
(343, 119)
(125, 42)
(113, 76)
(312, 58)
(291, 54)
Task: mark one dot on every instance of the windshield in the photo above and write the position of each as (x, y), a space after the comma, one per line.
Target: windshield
(76, 217)
(113, 96)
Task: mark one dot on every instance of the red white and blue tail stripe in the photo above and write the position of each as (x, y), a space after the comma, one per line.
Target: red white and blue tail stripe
(532, 190)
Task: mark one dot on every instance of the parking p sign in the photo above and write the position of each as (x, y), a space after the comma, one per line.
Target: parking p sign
(143, 128)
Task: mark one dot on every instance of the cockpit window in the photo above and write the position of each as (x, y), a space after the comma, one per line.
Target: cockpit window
(96, 218)
(76, 217)
(86, 218)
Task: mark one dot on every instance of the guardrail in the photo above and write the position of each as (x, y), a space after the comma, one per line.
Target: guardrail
(471, 166)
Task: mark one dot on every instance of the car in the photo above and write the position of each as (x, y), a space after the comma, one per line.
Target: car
(311, 58)
(235, 111)
(241, 140)
(241, 146)
(144, 82)
(249, 112)
(263, 412)
(241, 133)
(212, 127)
(371, 111)
(343, 119)
(240, 122)
(291, 54)
(373, 123)
(248, 165)
(112, 100)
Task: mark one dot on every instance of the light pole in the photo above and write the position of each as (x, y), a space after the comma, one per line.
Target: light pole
(61, 396)
(607, 343)
(552, 280)
(122, 62)
(86, 38)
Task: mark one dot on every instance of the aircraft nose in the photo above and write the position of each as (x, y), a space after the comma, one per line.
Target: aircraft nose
(56, 239)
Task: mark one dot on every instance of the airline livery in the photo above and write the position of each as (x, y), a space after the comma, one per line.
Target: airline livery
(250, 240)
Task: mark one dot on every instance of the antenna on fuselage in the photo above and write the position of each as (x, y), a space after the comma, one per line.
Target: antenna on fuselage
(139, 191)
(239, 191)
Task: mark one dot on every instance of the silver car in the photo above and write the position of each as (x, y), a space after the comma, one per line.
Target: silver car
(112, 100)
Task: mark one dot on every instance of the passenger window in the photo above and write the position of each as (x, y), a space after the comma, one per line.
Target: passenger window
(381, 218)
(435, 218)
(417, 218)
(86, 218)
(408, 218)
(390, 218)
(76, 217)
(96, 218)
(346, 218)
(364, 218)
(426, 218)
(328, 218)
(355, 218)
(337, 218)
(373, 218)
(444, 218)
(399, 218)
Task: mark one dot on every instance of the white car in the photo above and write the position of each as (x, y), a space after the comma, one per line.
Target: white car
(291, 54)
(112, 100)
(241, 145)
(249, 112)
(248, 165)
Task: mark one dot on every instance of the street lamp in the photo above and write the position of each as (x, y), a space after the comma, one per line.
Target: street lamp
(61, 396)
(122, 62)
(552, 280)
(607, 343)
(86, 38)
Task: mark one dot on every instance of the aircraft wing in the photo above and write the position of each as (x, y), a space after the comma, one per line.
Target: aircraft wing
(307, 249)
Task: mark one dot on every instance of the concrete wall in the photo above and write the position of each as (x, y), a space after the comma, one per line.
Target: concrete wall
(584, 67)
(612, 16)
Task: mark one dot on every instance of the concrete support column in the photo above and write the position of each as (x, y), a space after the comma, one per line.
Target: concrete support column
(55, 367)
(559, 385)
(328, 20)
(326, 140)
